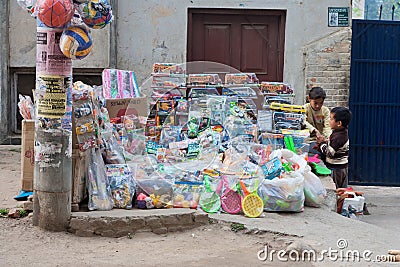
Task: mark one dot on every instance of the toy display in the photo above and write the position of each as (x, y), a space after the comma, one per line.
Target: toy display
(119, 84)
(276, 87)
(98, 185)
(76, 42)
(84, 115)
(241, 78)
(204, 145)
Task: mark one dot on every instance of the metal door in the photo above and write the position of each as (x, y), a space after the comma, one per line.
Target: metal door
(375, 103)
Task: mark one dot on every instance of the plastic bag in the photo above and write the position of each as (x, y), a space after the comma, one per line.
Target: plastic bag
(187, 194)
(98, 187)
(286, 194)
(26, 107)
(314, 190)
(121, 185)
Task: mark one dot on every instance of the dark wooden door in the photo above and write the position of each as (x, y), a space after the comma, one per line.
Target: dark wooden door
(246, 40)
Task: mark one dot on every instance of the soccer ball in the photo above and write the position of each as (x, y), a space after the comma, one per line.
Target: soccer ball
(76, 42)
(55, 13)
(96, 13)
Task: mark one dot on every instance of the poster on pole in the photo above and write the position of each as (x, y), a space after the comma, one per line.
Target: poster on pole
(49, 59)
(51, 96)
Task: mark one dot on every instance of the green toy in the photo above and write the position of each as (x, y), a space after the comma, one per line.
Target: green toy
(320, 170)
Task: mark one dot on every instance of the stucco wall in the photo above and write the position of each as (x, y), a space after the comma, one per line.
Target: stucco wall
(23, 42)
(156, 31)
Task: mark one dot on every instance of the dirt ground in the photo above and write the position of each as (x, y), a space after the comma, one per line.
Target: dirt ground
(24, 244)
(10, 175)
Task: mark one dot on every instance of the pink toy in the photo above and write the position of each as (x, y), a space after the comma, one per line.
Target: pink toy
(314, 159)
(141, 196)
(231, 201)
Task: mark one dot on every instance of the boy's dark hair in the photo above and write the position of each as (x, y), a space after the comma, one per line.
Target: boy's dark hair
(317, 92)
(342, 114)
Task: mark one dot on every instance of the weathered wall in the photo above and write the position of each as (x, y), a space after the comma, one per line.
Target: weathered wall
(156, 31)
(23, 42)
(327, 64)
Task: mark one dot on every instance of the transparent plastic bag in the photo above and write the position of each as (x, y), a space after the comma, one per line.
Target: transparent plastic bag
(98, 187)
(285, 194)
(314, 190)
(187, 194)
(122, 186)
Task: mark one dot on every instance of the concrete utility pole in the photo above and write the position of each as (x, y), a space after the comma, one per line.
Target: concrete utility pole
(53, 144)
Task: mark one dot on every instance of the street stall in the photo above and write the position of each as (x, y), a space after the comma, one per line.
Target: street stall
(221, 144)
(200, 146)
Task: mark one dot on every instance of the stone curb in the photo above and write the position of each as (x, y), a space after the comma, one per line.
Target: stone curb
(118, 223)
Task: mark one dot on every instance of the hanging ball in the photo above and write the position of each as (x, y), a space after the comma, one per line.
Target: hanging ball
(55, 13)
(76, 42)
(96, 13)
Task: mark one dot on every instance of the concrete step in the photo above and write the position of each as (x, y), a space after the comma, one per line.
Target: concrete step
(120, 222)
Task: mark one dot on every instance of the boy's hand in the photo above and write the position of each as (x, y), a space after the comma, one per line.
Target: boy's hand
(320, 137)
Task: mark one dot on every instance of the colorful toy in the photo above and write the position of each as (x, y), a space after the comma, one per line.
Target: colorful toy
(76, 42)
(314, 159)
(252, 204)
(320, 170)
(231, 201)
(96, 13)
(289, 143)
(209, 199)
(55, 13)
(287, 107)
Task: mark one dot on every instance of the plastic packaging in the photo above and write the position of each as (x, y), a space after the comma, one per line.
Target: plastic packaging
(98, 186)
(314, 190)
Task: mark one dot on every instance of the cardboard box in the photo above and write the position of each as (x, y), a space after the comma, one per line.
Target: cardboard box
(27, 154)
(126, 106)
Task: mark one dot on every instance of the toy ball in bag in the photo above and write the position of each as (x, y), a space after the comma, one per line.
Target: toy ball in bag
(55, 13)
(96, 13)
(76, 42)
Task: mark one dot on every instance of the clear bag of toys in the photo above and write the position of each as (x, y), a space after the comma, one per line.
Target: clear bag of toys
(187, 194)
(98, 186)
(286, 192)
(122, 186)
(86, 125)
(283, 194)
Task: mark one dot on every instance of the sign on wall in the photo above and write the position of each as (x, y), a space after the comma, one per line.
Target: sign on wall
(338, 16)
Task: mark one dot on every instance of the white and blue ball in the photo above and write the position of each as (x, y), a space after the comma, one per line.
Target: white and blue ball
(76, 42)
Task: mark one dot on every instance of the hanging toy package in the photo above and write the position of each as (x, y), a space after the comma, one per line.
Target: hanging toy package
(98, 186)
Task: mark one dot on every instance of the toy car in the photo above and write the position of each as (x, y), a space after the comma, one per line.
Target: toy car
(287, 107)
(286, 125)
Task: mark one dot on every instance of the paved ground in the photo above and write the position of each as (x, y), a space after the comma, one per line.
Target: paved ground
(384, 205)
(315, 228)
